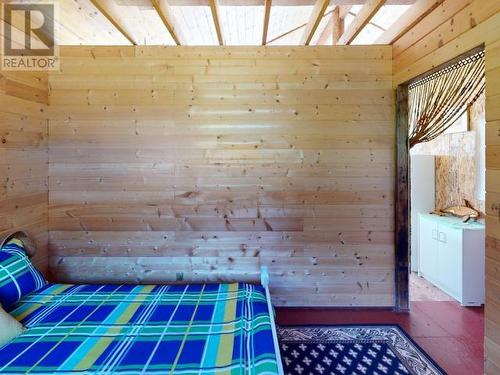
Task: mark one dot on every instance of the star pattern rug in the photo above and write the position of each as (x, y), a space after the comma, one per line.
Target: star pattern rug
(352, 350)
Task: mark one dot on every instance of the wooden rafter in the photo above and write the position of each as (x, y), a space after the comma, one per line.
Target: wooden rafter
(334, 28)
(162, 8)
(344, 10)
(366, 13)
(111, 18)
(338, 25)
(410, 18)
(314, 20)
(267, 16)
(214, 7)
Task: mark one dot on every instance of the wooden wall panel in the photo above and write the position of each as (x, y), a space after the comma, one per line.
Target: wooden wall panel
(205, 163)
(492, 339)
(24, 158)
(454, 28)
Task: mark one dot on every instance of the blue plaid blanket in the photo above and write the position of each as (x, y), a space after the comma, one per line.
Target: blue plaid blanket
(142, 329)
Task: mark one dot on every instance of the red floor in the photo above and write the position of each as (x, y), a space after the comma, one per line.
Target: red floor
(452, 335)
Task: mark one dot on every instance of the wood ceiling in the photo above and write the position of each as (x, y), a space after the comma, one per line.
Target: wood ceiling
(236, 22)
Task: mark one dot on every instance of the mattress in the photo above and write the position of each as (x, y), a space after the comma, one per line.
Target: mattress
(149, 329)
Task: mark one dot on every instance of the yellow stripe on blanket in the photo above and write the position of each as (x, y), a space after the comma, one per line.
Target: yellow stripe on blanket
(27, 308)
(122, 314)
(226, 345)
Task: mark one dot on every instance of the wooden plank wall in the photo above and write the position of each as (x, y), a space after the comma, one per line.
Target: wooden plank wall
(492, 329)
(24, 158)
(454, 28)
(205, 163)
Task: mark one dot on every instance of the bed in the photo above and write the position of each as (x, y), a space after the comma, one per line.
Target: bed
(150, 329)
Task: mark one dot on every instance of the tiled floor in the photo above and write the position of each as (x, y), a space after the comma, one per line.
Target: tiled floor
(452, 335)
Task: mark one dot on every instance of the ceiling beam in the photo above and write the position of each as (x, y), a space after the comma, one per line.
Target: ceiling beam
(110, 14)
(338, 27)
(267, 16)
(214, 7)
(365, 14)
(162, 8)
(344, 10)
(334, 28)
(408, 19)
(317, 14)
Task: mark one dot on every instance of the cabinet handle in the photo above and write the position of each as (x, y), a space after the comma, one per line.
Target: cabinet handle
(442, 237)
(434, 234)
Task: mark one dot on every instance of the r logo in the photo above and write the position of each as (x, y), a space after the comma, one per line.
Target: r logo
(29, 37)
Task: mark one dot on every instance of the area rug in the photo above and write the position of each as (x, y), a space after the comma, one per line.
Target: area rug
(352, 349)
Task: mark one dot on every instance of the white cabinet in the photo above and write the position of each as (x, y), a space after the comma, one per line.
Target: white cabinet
(422, 198)
(449, 262)
(452, 257)
(427, 243)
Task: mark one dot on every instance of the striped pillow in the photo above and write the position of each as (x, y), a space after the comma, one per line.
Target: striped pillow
(18, 276)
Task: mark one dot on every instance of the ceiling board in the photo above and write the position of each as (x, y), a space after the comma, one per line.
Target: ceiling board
(196, 24)
(284, 19)
(141, 20)
(280, 2)
(80, 23)
(242, 25)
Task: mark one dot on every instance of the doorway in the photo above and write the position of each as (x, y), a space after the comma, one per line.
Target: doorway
(448, 171)
(433, 176)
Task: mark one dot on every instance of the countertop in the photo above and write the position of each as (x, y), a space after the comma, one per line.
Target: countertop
(455, 222)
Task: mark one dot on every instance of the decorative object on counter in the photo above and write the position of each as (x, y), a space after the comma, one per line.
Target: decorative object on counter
(466, 212)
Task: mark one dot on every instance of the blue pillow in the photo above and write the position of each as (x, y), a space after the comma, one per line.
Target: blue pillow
(18, 276)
